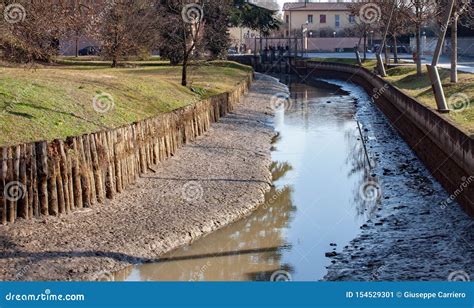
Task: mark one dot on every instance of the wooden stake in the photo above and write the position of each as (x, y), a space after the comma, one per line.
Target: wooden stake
(3, 175)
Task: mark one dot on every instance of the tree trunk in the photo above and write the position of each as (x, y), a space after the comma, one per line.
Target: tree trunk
(184, 74)
(395, 49)
(454, 49)
(77, 47)
(365, 45)
(387, 56)
(418, 51)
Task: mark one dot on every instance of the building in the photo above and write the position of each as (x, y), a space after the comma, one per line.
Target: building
(240, 36)
(316, 17)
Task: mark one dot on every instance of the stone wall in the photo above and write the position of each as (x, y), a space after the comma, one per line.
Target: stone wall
(446, 150)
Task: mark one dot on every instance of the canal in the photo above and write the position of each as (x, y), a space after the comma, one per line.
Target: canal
(323, 193)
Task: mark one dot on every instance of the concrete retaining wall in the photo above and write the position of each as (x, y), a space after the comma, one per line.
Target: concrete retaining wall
(59, 177)
(447, 151)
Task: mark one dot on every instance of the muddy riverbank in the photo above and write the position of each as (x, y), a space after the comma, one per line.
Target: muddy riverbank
(415, 233)
(207, 185)
(350, 201)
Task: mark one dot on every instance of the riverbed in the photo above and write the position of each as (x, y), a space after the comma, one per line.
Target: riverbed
(322, 194)
(350, 201)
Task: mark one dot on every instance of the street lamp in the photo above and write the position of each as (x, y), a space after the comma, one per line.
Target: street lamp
(304, 30)
(372, 39)
(423, 43)
(334, 33)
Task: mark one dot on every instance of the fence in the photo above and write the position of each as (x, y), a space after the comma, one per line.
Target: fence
(55, 178)
(308, 44)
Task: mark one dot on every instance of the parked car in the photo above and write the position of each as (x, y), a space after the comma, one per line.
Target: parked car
(232, 51)
(89, 51)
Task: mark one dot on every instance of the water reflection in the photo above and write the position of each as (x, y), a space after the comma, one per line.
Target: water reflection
(315, 206)
(250, 249)
(362, 164)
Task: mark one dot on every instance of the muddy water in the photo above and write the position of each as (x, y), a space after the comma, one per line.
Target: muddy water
(317, 205)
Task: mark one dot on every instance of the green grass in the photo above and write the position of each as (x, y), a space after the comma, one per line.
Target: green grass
(369, 64)
(57, 101)
(98, 62)
(419, 87)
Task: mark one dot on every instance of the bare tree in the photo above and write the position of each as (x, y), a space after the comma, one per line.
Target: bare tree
(419, 13)
(30, 30)
(78, 18)
(461, 8)
(368, 17)
(182, 31)
(398, 25)
(127, 28)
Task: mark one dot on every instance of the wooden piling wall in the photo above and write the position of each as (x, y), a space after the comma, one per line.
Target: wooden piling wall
(59, 177)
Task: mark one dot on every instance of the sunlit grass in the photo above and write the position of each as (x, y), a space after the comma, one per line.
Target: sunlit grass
(459, 95)
(419, 87)
(55, 102)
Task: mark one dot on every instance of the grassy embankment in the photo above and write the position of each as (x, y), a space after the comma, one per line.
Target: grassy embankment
(461, 94)
(51, 102)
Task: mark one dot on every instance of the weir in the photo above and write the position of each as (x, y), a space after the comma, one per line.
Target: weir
(274, 55)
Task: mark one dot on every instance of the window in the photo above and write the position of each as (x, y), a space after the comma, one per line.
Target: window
(287, 19)
(310, 19)
(322, 19)
(352, 19)
(338, 21)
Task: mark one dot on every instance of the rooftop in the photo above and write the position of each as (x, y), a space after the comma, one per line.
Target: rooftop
(320, 6)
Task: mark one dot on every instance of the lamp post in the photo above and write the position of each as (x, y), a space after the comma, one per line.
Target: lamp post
(334, 33)
(371, 39)
(304, 30)
(423, 43)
